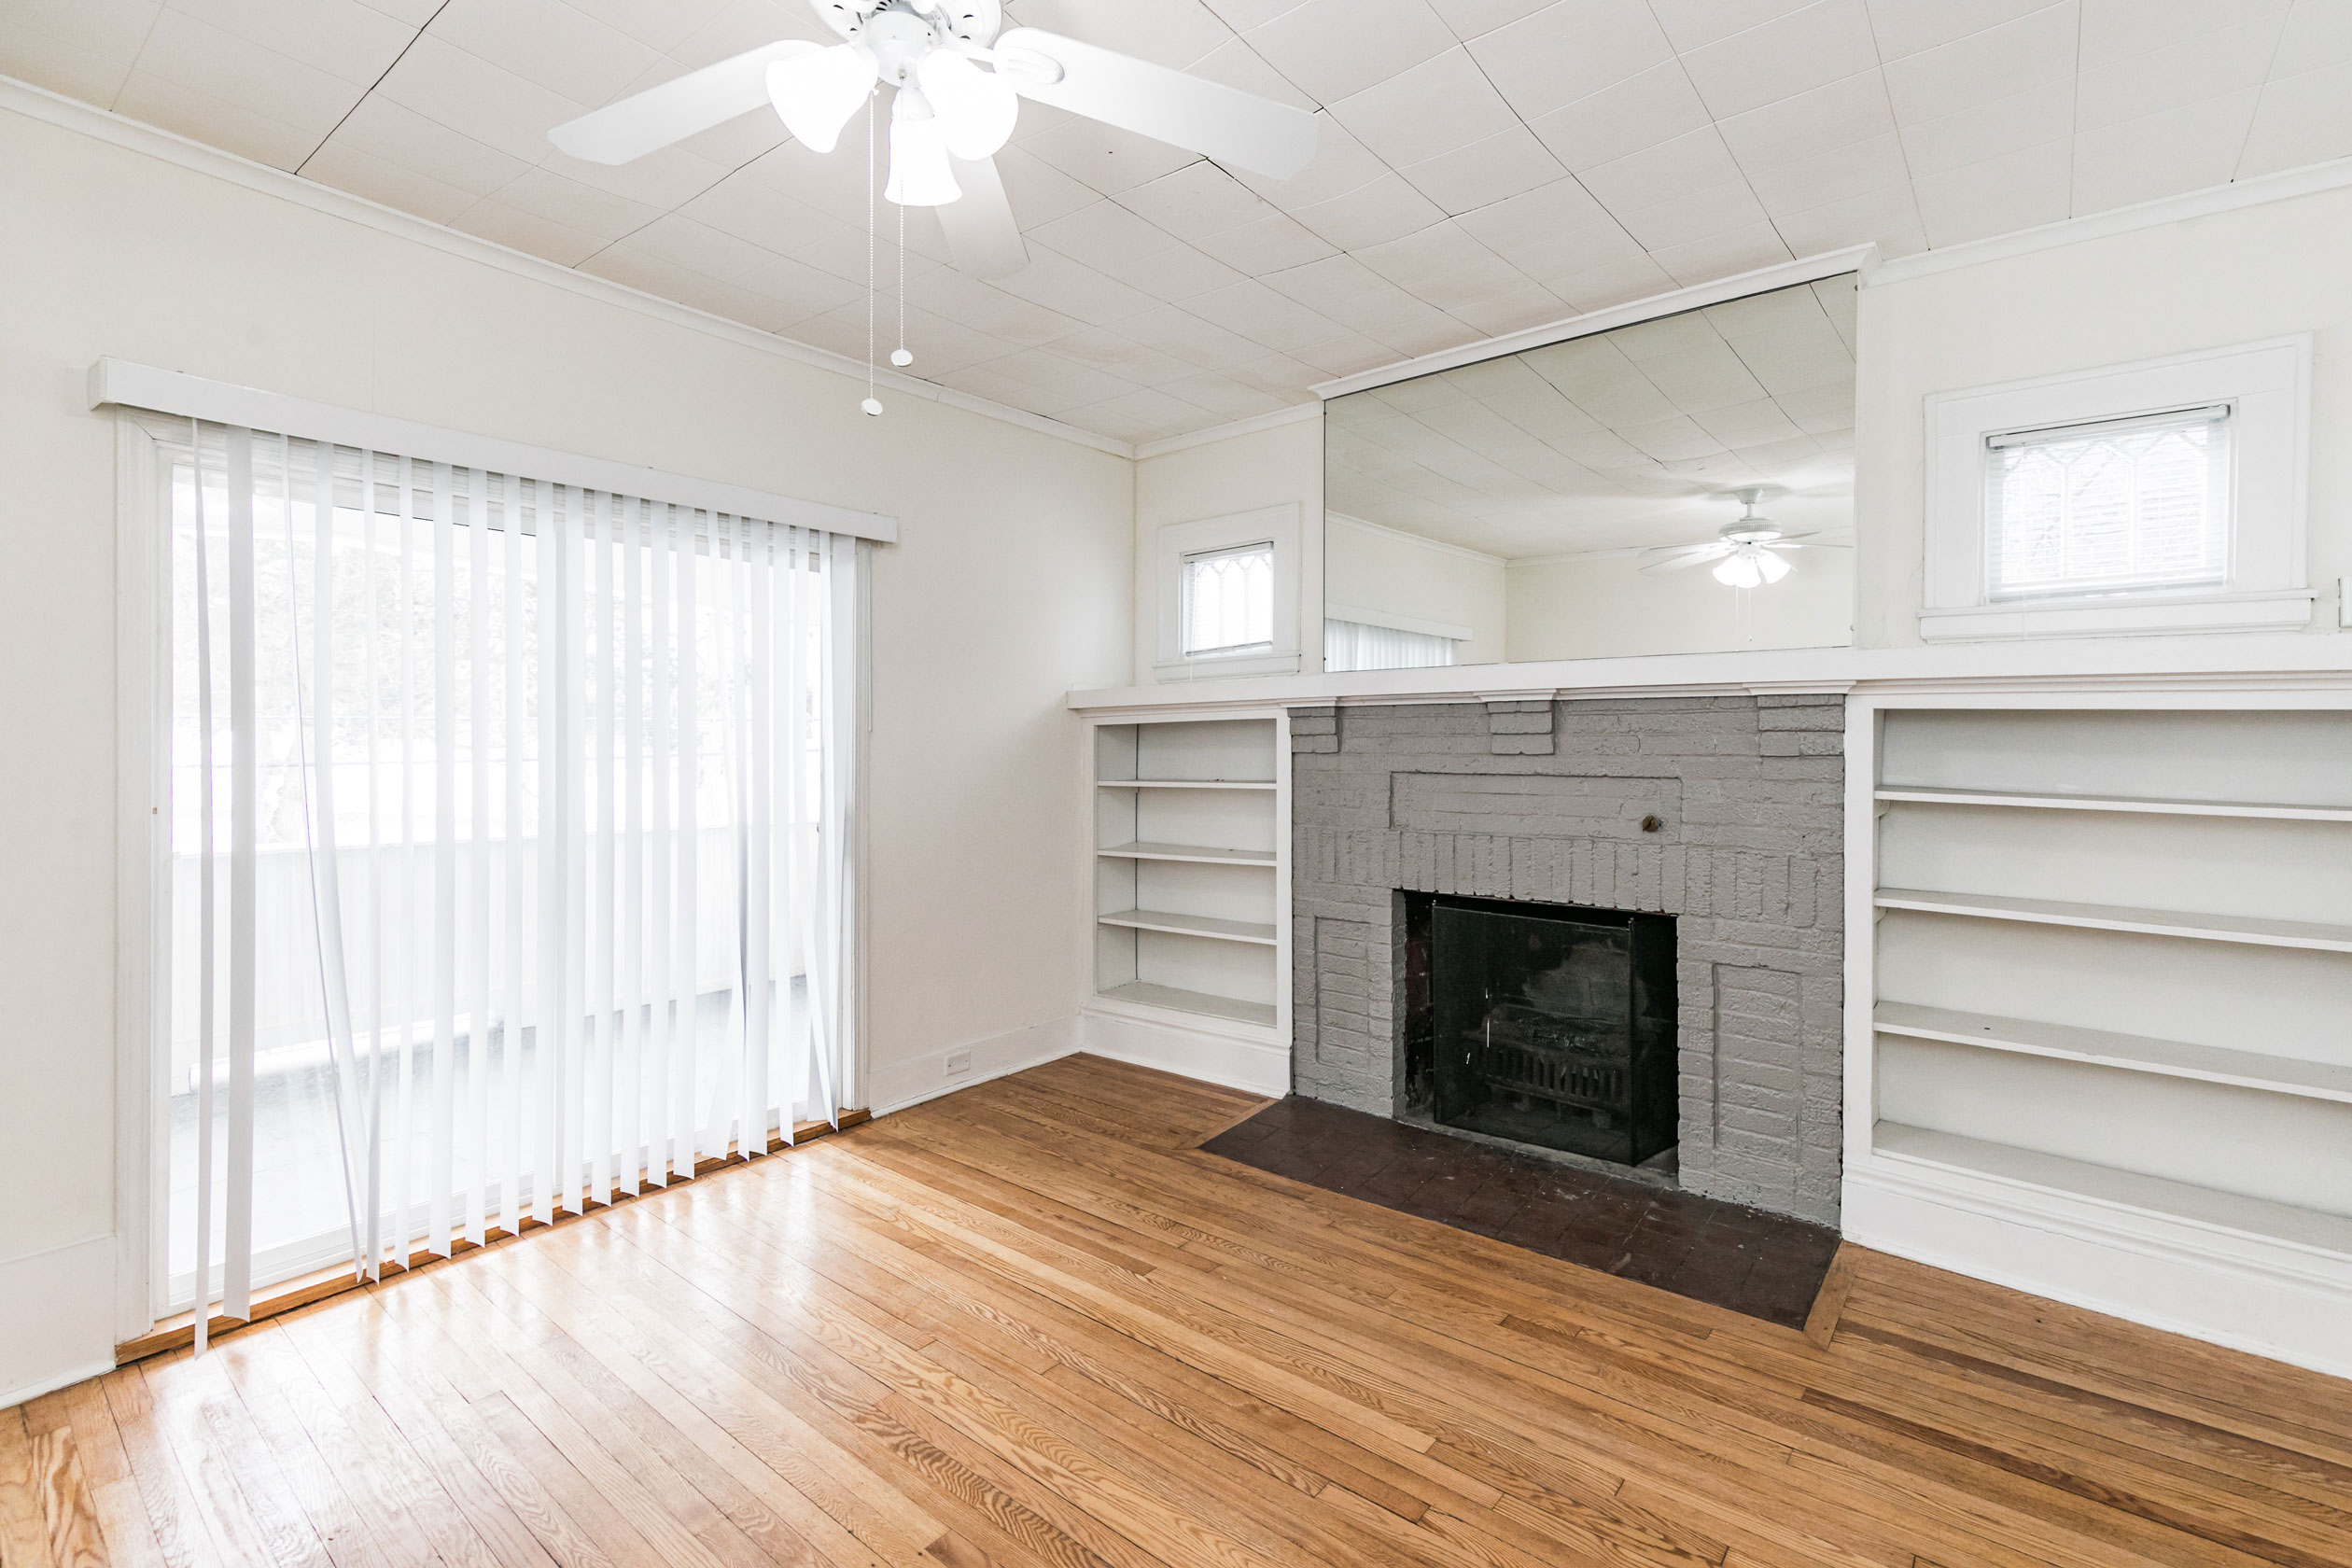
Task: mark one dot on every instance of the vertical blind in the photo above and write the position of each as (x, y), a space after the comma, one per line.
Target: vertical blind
(2109, 507)
(1356, 644)
(510, 847)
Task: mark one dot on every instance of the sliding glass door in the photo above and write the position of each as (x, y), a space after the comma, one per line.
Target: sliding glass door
(507, 850)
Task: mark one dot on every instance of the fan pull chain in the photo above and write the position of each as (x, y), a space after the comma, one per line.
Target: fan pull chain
(873, 404)
(902, 356)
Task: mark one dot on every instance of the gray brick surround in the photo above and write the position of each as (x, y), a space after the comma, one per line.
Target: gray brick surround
(1544, 801)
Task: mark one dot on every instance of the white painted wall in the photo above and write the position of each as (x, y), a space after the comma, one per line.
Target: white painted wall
(1588, 606)
(1009, 587)
(1216, 479)
(1371, 567)
(2230, 277)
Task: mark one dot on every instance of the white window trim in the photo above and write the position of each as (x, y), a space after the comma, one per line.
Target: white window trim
(2267, 386)
(1177, 540)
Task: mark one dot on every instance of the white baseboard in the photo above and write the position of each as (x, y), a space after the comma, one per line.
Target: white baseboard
(2247, 1293)
(900, 1085)
(60, 1313)
(1207, 1055)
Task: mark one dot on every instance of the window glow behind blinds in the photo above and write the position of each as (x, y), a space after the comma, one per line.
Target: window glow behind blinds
(1354, 644)
(1228, 601)
(533, 803)
(2110, 508)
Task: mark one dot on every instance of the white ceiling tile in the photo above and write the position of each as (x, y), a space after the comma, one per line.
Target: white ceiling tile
(1039, 192)
(1265, 315)
(681, 242)
(1700, 378)
(1236, 64)
(1571, 50)
(1334, 48)
(1722, 254)
(342, 37)
(1104, 349)
(2033, 117)
(1349, 354)
(1840, 175)
(1103, 234)
(1387, 209)
(1179, 273)
(228, 124)
(1444, 103)
(2306, 118)
(1533, 221)
(546, 42)
(1170, 33)
(664, 178)
(1980, 68)
(1225, 396)
(1264, 244)
(661, 24)
(1888, 217)
(1669, 171)
(494, 220)
(985, 308)
(1804, 50)
(759, 213)
(2021, 190)
(1055, 281)
(1444, 266)
(2162, 154)
(471, 95)
(382, 130)
(1242, 15)
(2227, 59)
(1103, 157)
(1637, 277)
(1695, 24)
(210, 60)
(544, 193)
(1904, 27)
(1197, 200)
(1641, 111)
(1354, 296)
(746, 25)
(344, 167)
(2114, 29)
(1483, 172)
(2319, 34)
(1341, 163)
(1669, 439)
(93, 40)
(1840, 114)
(1472, 18)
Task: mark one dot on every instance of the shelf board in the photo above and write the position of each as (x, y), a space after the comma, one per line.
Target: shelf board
(2102, 1183)
(1922, 796)
(1178, 1000)
(2248, 928)
(1184, 783)
(1202, 854)
(1209, 926)
(2135, 1053)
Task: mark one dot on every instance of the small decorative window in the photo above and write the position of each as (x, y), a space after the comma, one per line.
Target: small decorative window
(1228, 601)
(2110, 506)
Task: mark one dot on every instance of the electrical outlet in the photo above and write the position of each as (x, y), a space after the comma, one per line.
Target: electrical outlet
(959, 1062)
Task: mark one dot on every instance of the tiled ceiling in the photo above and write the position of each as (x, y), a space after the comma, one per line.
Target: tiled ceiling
(1486, 165)
(1632, 438)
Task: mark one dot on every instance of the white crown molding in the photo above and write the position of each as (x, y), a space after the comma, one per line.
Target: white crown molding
(1417, 540)
(1272, 420)
(1763, 280)
(70, 114)
(2261, 190)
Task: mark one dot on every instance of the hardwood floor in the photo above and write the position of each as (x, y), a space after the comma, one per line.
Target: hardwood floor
(1032, 1325)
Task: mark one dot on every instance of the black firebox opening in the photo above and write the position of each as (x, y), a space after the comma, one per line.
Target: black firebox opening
(1546, 1023)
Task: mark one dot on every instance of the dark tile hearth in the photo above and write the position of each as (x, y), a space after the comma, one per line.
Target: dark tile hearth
(1767, 1266)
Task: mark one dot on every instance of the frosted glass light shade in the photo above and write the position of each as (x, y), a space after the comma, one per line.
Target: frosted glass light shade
(1750, 567)
(921, 175)
(815, 94)
(977, 109)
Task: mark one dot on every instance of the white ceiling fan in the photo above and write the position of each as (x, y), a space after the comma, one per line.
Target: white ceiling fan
(957, 85)
(1747, 553)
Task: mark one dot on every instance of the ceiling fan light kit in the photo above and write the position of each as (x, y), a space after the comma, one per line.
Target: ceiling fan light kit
(1746, 552)
(950, 115)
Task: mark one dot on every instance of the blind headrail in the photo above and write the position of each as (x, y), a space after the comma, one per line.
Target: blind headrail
(121, 383)
(2038, 434)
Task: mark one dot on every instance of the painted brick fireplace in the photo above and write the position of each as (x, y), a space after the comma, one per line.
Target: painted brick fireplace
(1724, 812)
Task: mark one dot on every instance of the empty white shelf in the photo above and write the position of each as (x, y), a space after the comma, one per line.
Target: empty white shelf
(1209, 926)
(1185, 783)
(1178, 1000)
(1201, 854)
(2135, 1053)
(2101, 1184)
(1920, 796)
(2102, 916)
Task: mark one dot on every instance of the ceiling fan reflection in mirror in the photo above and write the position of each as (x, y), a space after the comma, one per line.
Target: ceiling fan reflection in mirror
(1748, 552)
(957, 85)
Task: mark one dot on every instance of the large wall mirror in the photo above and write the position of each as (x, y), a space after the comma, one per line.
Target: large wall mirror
(1682, 484)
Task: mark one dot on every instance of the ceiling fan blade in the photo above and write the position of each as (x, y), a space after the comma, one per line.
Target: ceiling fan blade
(1199, 116)
(1698, 557)
(655, 118)
(982, 234)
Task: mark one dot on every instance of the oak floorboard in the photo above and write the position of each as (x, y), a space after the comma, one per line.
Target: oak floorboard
(1034, 1325)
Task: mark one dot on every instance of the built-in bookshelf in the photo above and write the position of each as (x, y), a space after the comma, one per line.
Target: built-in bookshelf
(1189, 866)
(2110, 958)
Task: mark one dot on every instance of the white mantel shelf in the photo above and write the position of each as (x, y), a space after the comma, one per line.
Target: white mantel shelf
(2263, 660)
